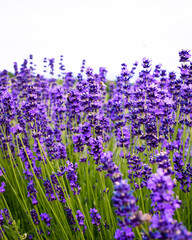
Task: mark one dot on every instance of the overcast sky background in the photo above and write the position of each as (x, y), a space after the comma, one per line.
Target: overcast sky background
(106, 33)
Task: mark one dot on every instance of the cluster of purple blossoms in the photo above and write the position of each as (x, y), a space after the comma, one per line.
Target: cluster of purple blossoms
(182, 174)
(4, 216)
(96, 148)
(110, 167)
(162, 191)
(2, 187)
(125, 203)
(78, 143)
(163, 226)
(163, 161)
(70, 217)
(71, 174)
(137, 170)
(49, 192)
(2, 171)
(123, 136)
(80, 218)
(58, 189)
(184, 55)
(32, 192)
(7, 108)
(55, 149)
(34, 217)
(125, 233)
(123, 199)
(85, 130)
(1, 224)
(46, 218)
(95, 217)
(53, 188)
(58, 102)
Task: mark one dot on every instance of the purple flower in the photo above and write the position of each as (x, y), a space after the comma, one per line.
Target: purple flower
(60, 152)
(182, 174)
(1, 171)
(182, 234)
(7, 216)
(95, 217)
(1, 223)
(71, 175)
(32, 192)
(45, 217)
(34, 216)
(49, 190)
(123, 199)
(108, 165)
(125, 233)
(164, 205)
(127, 209)
(163, 161)
(96, 148)
(70, 217)
(80, 218)
(17, 129)
(184, 55)
(2, 187)
(78, 143)
(83, 159)
(162, 191)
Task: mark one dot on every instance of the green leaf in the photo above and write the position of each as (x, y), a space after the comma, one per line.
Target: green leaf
(18, 224)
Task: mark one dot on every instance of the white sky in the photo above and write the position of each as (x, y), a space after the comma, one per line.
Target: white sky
(104, 32)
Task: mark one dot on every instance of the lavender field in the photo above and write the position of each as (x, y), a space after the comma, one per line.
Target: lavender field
(87, 158)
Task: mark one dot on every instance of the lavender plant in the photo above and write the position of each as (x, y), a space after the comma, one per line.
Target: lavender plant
(92, 159)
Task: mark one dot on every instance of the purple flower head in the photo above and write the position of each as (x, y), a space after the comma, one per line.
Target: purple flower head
(123, 136)
(1, 219)
(32, 192)
(182, 234)
(2, 187)
(160, 182)
(45, 217)
(6, 215)
(80, 217)
(182, 174)
(109, 166)
(60, 151)
(1, 171)
(28, 175)
(49, 190)
(31, 236)
(78, 143)
(70, 217)
(83, 159)
(146, 63)
(71, 175)
(184, 55)
(163, 161)
(164, 204)
(95, 217)
(17, 129)
(123, 199)
(125, 233)
(85, 130)
(96, 148)
(34, 216)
